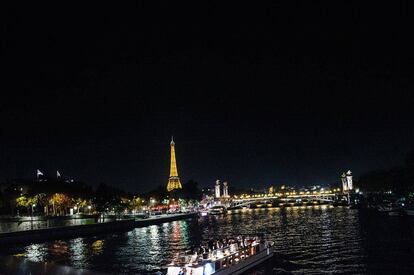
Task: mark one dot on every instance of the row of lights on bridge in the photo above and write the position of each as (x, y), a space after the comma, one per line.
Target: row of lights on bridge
(289, 193)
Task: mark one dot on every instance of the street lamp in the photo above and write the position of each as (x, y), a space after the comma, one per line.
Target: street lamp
(31, 217)
(89, 207)
(152, 202)
(33, 205)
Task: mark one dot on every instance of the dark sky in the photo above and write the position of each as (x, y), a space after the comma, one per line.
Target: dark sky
(255, 95)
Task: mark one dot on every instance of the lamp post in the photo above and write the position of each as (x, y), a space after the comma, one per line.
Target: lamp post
(33, 205)
(89, 207)
(31, 217)
(152, 202)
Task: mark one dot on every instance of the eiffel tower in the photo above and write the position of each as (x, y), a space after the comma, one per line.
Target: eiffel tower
(174, 180)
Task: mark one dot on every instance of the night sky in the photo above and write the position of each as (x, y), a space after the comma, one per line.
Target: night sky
(255, 95)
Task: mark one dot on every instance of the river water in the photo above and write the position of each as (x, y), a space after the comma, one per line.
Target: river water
(308, 240)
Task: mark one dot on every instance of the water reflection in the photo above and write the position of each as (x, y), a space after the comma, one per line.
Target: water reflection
(36, 252)
(97, 247)
(311, 240)
(79, 252)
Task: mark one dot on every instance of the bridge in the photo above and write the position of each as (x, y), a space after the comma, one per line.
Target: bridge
(246, 200)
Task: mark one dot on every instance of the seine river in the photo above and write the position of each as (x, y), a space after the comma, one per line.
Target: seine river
(309, 240)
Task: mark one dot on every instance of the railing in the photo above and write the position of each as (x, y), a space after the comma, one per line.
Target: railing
(32, 223)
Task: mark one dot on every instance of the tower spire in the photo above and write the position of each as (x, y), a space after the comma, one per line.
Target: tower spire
(173, 180)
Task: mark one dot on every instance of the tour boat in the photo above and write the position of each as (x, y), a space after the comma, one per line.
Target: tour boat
(232, 256)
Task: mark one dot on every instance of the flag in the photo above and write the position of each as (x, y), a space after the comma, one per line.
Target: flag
(57, 174)
(38, 173)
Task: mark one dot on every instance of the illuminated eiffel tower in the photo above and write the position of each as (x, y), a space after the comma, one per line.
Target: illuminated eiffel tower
(174, 180)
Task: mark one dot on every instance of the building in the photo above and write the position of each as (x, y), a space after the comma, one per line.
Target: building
(173, 180)
(225, 189)
(349, 180)
(344, 182)
(217, 190)
(346, 179)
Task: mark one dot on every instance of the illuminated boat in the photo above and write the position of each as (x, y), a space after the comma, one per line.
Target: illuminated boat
(203, 213)
(217, 210)
(235, 257)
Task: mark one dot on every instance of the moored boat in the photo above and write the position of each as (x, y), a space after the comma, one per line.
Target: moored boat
(203, 213)
(409, 212)
(409, 208)
(217, 210)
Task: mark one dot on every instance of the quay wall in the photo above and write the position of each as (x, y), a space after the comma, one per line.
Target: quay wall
(163, 219)
(63, 232)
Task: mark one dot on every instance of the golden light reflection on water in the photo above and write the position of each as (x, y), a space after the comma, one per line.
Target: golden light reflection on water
(97, 247)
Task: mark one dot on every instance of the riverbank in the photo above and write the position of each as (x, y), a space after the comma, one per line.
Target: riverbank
(45, 218)
(62, 232)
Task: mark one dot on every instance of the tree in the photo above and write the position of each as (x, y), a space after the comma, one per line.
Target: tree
(2, 200)
(22, 202)
(108, 197)
(159, 193)
(136, 203)
(81, 204)
(42, 200)
(190, 191)
(60, 203)
(10, 195)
